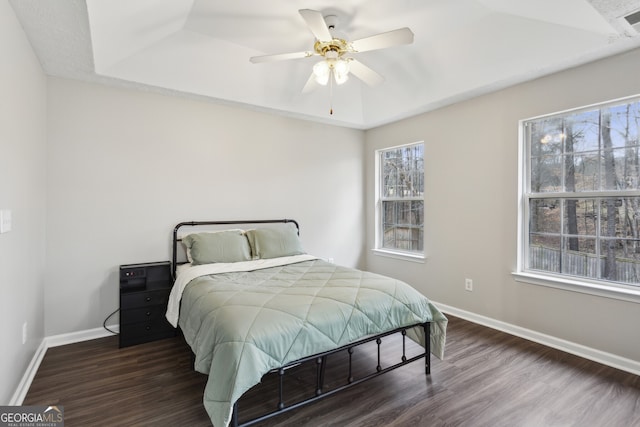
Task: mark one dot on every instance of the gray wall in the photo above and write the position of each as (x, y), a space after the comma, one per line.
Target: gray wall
(471, 204)
(22, 190)
(124, 167)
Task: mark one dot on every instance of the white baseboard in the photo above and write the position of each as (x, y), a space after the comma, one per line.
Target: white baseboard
(45, 344)
(628, 365)
(29, 375)
(79, 336)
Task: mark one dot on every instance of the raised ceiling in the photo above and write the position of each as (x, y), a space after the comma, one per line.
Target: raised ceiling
(201, 48)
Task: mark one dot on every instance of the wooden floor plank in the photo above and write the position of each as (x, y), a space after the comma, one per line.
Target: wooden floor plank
(488, 378)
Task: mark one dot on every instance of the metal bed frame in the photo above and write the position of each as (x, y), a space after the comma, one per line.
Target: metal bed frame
(321, 358)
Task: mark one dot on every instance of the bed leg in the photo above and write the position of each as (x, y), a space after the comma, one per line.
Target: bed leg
(234, 416)
(427, 348)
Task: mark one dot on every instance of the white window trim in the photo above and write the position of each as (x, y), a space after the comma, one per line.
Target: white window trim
(407, 256)
(581, 285)
(378, 249)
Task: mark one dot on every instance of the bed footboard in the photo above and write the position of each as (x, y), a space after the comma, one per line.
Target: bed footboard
(321, 360)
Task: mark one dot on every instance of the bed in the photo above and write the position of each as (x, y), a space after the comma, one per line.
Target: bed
(250, 301)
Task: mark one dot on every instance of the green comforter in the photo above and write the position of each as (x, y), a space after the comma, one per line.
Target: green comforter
(242, 324)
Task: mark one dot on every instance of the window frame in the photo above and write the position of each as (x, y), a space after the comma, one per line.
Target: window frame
(415, 256)
(603, 288)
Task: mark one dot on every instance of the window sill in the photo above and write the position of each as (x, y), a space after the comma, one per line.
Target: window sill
(406, 256)
(623, 293)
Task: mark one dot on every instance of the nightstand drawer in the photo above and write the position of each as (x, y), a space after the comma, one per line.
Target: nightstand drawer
(143, 299)
(136, 333)
(148, 328)
(144, 314)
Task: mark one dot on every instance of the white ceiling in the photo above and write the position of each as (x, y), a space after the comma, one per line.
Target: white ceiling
(201, 48)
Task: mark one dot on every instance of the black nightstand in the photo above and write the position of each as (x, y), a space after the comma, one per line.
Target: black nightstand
(144, 292)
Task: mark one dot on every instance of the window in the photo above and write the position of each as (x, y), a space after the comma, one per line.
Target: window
(400, 206)
(581, 196)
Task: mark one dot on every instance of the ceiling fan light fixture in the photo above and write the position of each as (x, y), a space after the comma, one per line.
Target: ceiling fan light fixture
(323, 71)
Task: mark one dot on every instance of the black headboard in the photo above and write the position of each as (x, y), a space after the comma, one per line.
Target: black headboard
(176, 239)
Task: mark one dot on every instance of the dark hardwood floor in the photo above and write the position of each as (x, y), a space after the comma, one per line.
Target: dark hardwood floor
(488, 378)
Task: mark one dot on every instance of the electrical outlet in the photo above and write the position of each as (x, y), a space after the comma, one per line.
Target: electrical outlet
(5, 220)
(468, 285)
(24, 333)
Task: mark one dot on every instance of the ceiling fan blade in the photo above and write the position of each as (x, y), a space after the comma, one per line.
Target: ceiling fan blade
(280, 57)
(315, 21)
(383, 40)
(365, 73)
(311, 84)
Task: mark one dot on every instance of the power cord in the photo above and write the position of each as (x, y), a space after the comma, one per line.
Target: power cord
(104, 324)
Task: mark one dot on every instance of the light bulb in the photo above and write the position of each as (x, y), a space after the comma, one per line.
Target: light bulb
(341, 66)
(322, 71)
(341, 71)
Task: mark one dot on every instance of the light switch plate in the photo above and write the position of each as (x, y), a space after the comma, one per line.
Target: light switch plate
(5, 220)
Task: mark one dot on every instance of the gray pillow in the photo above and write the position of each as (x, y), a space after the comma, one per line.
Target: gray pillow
(223, 246)
(274, 242)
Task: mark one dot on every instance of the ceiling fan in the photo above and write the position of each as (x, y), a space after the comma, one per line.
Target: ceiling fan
(336, 52)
